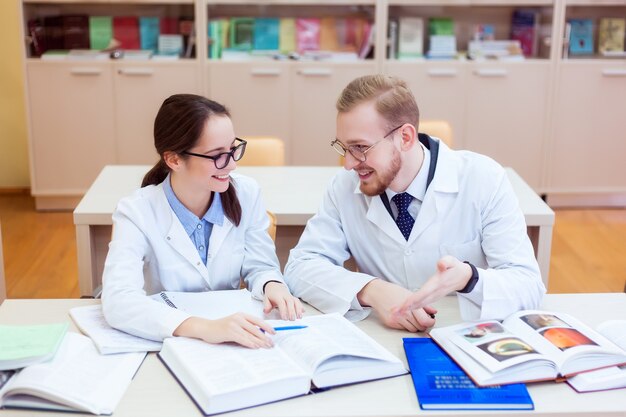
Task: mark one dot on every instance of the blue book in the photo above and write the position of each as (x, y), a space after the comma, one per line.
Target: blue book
(581, 37)
(149, 33)
(266, 34)
(441, 385)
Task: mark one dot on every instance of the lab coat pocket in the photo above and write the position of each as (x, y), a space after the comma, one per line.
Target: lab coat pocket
(470, 251)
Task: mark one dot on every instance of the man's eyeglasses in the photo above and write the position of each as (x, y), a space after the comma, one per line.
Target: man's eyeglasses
(223, 159)
(358, 151)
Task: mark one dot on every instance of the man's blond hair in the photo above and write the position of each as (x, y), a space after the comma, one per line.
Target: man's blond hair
(393, 98)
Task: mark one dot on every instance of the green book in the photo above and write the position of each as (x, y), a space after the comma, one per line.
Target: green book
(241, 33)
(441, 26)
(21, 346)
(100, 31)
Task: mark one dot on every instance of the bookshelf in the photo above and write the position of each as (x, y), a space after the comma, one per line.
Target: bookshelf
(534, 115)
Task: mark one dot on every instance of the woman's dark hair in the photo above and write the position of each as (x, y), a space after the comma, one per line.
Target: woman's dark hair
(177, 127)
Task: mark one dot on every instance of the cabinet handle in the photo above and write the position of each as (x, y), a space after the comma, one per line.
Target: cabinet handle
(136, 71)
(316, 72)
(442, 72)
(85, 71)
(614, 72)
(265, 72)
(491, 72)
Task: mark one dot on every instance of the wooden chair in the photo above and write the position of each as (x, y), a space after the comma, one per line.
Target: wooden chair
(263, 151)
(3, 289)
(439, 129)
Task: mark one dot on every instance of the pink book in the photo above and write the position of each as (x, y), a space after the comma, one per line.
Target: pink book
(308, 34)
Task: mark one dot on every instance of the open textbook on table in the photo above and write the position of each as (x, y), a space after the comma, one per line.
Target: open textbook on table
(330, 351)
(529, 345)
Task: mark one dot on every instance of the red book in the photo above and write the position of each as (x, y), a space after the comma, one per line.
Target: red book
(169, 26)
(126, 31)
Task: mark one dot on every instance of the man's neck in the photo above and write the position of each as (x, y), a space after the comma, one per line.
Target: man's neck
(412, 162)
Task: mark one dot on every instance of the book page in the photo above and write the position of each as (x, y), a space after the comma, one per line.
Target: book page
(78, 376)
(615, 331)
(90, 320)
(560, 336)
(491, 344)
(24, 345)
(223, 368)
(325, 337)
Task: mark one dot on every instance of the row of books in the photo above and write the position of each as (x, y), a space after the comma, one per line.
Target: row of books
(579, 35)
(161, 35)
(327, 37)
(407, 34)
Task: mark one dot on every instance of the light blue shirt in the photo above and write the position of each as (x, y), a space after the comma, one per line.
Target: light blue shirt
(199, 230)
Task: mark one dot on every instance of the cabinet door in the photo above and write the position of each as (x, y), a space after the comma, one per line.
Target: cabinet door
(257, 95)
(72, 128)
(589, 123)
(315, 90)
(140, 89)
(440, 91)
(506, 112)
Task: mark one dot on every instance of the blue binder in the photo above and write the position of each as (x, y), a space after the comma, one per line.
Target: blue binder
(441, 385)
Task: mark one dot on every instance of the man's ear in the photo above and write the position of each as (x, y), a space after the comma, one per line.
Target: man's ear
(173, 160)
(409, 136)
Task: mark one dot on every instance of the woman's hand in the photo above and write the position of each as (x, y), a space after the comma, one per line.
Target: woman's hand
(241, 328)
(277, 295)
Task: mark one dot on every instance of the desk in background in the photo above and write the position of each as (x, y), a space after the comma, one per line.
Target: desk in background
(154, 392)
(292, 193)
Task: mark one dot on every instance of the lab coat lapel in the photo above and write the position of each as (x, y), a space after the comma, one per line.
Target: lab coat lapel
(378, 214)
(218, 235)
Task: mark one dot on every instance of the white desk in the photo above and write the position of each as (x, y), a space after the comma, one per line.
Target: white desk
(154, 392)
(292, 193)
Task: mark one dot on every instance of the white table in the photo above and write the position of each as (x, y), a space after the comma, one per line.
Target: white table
(292, 193)
(154, 392)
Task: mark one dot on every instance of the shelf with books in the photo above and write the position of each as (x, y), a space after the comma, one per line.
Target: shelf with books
(160, 29)
(504, 31)
(595, 31)
(300, 32)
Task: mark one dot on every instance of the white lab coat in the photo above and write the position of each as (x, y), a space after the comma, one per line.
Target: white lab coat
(152, 252)
(469, 211)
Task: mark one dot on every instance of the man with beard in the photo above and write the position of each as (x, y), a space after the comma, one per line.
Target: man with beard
(419, 219)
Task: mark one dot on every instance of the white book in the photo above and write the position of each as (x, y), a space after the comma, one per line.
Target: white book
(90, 320)
(77, 379)
(411, 38)
(330, 351)
(527, 346)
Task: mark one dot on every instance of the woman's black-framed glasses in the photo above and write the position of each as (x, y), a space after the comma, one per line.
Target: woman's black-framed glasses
(358, 151)
(223, 159)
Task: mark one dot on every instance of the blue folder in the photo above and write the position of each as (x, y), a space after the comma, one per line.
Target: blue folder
(441, 385)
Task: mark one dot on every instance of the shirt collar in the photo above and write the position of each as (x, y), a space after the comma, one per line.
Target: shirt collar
(417, 188)
(214, 215)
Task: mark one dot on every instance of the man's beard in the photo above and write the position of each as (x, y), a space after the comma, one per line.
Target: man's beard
(380, 180)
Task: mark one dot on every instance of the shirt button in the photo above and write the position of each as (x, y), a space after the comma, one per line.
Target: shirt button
(169, 238)
(201, 248)
(198, 264)
(408, 252)
(199, 226)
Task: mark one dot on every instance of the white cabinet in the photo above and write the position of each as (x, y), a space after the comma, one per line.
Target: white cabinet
(72, 125)
(314, 92)
(140, 89)
(506, 113)
(589, 145)
(257, 95)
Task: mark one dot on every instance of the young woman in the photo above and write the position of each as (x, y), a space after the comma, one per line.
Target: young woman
(193, 226)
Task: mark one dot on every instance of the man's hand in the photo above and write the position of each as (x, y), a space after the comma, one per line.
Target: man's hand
(277, 295)
(452, 275)
(382, 296)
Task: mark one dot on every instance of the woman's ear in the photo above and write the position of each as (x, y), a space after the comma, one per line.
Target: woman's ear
(172, 160)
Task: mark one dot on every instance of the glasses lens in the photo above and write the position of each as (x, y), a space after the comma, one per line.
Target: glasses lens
(222, 160)
(238, 151)
(357, 153)
(338, 147)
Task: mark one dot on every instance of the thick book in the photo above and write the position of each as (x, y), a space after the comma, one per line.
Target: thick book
(90, 320)
(126, 31)
(411, 38)
(529, 345)
(441, 385)
(77, 379)
(611, 32)
(525, 29)
(21, 346)
(331, 351)
(100, 31)
(613, 377)
(149, 33)
(266, 34)
(75, 32)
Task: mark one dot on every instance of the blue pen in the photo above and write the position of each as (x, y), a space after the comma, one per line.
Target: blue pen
(279, 328)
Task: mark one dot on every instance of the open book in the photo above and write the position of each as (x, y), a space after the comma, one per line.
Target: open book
(527, 346)
(330, 351)
(77, 379)
(21, 346)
